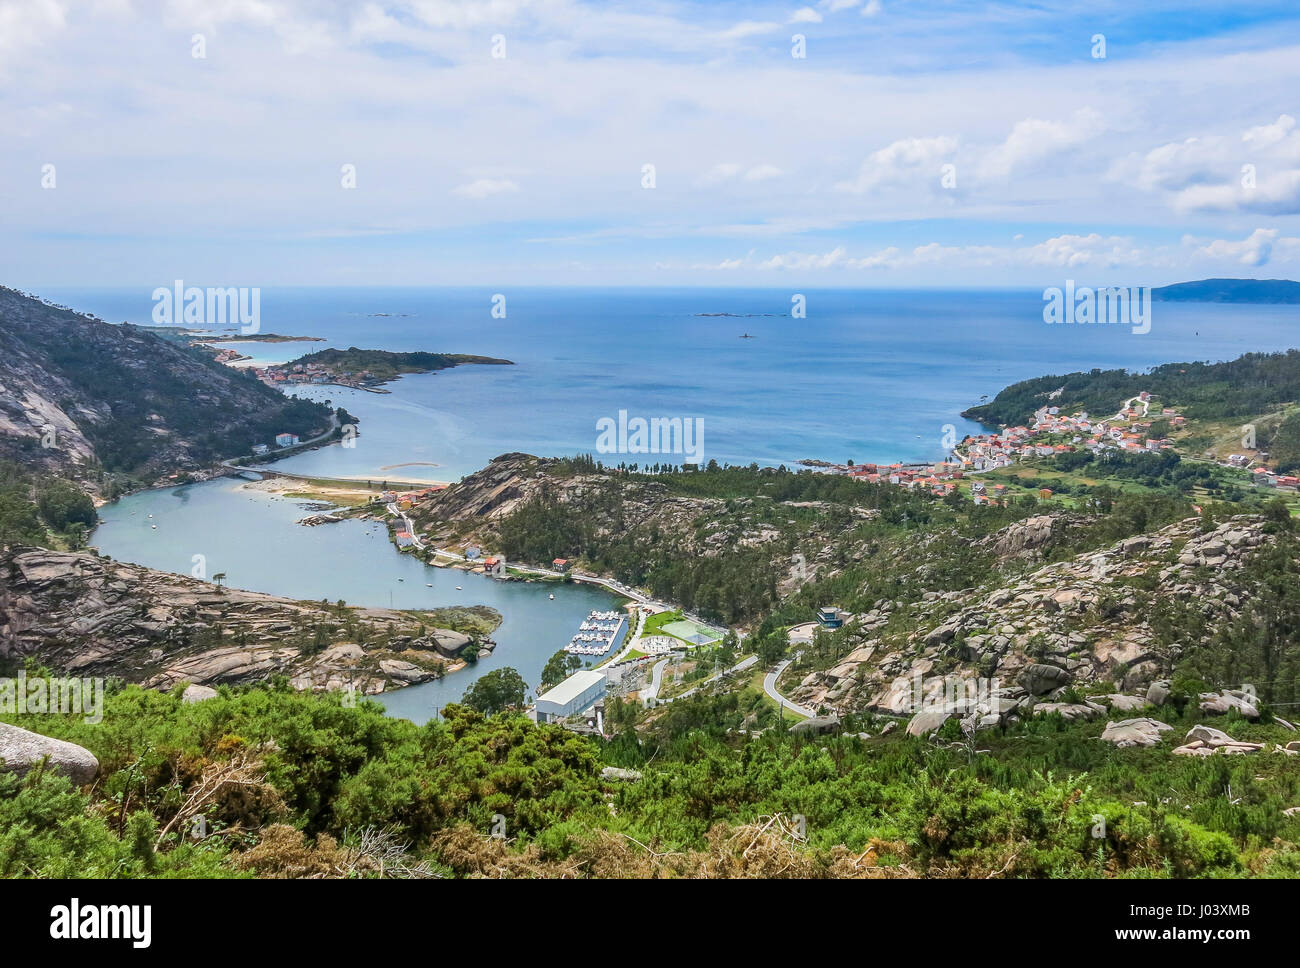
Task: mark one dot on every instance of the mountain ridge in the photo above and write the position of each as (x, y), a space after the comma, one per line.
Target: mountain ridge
(1231, 290)
(90, 399)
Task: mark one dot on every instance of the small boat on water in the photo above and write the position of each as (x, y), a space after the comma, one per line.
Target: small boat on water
(551, 597)
(428, 584)
(457, 588)
(401, 579)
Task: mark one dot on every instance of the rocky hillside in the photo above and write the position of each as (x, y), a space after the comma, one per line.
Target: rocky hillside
(477, 505)
(91, 616)
(1112, 620)
(78, 395)
(615, 508)
(728, 558)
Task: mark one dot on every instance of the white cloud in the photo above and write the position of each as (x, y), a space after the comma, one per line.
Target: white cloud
(804, 260)
(1093, 251)
(762, 173)
(1269, 135)
(1254, 250)
(29, 22)
(871, 8)
(1277, 193)
(719, 173)
(1258, 172)
(726, 171)
(749, 28)
(725, 265)
(903, 160)
(485, 187)
(1032, 141)
(805, 15)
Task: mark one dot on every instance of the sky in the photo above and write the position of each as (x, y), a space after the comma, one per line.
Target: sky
(841, 143)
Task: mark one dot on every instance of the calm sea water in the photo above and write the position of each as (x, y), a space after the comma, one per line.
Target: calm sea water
(868, 375)
(872, 376)
(254, 539)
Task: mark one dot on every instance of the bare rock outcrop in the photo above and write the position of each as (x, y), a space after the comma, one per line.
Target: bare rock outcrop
(1030, 536)
(1071, 623)
(22, 750)
(89, 615)
(1135, 732)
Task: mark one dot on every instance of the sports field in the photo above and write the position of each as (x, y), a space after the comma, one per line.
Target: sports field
(690, 631)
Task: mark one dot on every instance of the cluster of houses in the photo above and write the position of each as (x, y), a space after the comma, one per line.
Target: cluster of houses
(1129, 430)
(229, 356)
(405, 499)
(1262, 475)
(1268, 478)
(491, 564)
(299, 373)
(1050, 433)
(940, 479)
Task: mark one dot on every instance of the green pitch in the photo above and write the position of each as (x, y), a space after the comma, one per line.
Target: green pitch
(690, 631)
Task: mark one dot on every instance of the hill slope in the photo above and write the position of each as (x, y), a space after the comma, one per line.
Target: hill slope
(78, 394)
(1251, 384)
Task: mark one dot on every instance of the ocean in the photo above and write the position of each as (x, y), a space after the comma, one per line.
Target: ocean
(868, 375)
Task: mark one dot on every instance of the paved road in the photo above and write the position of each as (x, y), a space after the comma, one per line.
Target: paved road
(410, 528)
(769, 687)
(656, 680)
(1146, 408)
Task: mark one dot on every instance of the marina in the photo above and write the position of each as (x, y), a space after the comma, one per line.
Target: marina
(596, 635)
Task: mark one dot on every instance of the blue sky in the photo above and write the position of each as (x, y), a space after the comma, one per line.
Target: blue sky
(913, 143)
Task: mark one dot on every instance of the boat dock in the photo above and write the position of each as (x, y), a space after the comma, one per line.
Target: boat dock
(596, 635)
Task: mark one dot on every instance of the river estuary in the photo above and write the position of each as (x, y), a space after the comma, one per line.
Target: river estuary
(252, 537)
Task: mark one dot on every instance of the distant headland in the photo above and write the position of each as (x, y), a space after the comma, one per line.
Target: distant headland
(1231, 291)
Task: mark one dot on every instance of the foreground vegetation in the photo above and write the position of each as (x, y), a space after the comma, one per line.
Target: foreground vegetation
(269, 782)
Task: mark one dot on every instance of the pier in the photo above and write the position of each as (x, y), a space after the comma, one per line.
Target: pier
(596, 635)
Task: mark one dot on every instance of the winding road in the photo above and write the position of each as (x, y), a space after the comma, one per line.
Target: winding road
(651, 692)
(410, 528)
(769, 687)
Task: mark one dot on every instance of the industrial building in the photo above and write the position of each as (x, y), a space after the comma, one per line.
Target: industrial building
(578, 692)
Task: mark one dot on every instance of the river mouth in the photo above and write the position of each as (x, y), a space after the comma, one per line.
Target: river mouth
(254, 539)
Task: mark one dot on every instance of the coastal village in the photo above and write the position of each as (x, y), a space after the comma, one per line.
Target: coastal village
(1050, 433)
(284, 375)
